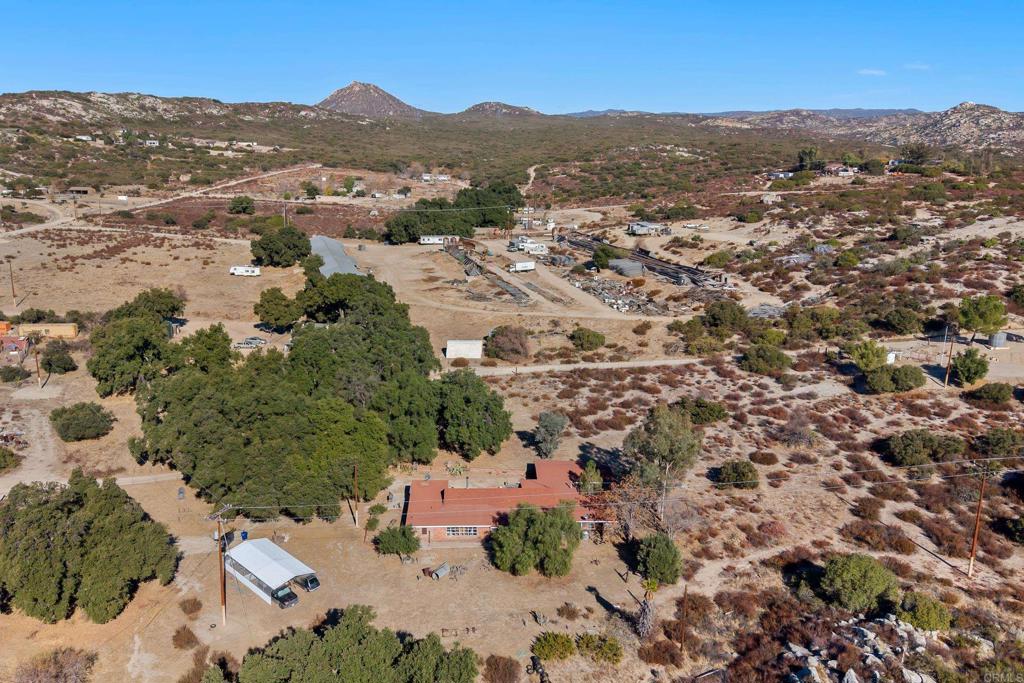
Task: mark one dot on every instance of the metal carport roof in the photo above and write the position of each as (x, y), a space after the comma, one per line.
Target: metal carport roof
(268, 562)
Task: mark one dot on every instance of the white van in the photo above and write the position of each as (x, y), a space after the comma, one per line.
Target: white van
(245, 271)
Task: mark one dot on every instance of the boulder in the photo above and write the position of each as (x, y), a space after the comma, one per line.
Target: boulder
(915, 677)
(798, 650)
(851, 676)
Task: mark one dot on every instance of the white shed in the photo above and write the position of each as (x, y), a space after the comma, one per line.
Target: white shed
(263, 566)
(464, 348)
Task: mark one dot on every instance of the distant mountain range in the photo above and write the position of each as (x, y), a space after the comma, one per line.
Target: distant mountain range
(968, 125)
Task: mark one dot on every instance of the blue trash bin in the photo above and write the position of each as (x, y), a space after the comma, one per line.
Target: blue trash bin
(245, 535)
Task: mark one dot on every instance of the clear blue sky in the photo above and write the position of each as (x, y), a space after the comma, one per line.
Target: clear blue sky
(554, 56)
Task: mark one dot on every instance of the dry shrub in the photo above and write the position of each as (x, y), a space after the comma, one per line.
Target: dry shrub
(63, 665)
(892, 490)
(910, 516)
(184, 638)
(946, 540)
(502, 670)
(803, 458)
(460, 363)
(743, 603)
(568, 611)
(790, 557)
(663, 652)
(868, 508)
(191, 607)
(199, 666)
(764, 458)
(690, 569)
(878, 537)
(898, 567)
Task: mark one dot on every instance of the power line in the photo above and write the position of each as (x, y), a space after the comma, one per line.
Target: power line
(461, 208)
(652, 489)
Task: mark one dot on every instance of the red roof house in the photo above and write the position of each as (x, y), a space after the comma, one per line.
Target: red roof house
(14, 349)
(438, 512)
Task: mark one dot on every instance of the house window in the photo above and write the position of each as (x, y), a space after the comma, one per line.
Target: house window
(461, 531)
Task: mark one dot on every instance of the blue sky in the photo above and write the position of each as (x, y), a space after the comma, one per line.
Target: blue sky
(553, 56)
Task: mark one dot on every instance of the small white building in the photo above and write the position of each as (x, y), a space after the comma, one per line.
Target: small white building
(152, 143)
(442, 178)
(427, 177)
(266, 569)
(439, 239)
(84, 138)
(643, 228)
(464, 348)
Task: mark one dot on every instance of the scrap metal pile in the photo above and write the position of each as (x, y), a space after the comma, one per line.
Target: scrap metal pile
(621, 296)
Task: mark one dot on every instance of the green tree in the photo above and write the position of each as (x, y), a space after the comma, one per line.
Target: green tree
(355, 652)
(126, 352)
(281, 248)
(410, 404)
(550, 645)
(397, 540)
(765, 360)
(56, 358)
(544, 540)
(903, 320)
(663, 446)
(208, 349)
(867, 355)
(603, 254)
(242, 204)
(276, 309)
(586, 339)
(548, 432)
(968, 367)
(658, 558)
(859, 583)
(915, 153)
(591, 480)
(739, 474)
(84, 544)
(807, 158)
(991, 394)
(924, 612)
(701, 410)
(921, 447)
(472, 418)
(157, 302)
(985, 313)
(81, 421)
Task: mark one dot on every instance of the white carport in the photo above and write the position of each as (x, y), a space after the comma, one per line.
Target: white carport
(263, 566)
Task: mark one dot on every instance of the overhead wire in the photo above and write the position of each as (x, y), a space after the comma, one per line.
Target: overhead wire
(658, 490)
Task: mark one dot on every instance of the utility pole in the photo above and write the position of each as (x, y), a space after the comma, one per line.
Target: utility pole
(39, 375)
(10, 271)
(220, 562)
(977, 526)
(949, 360)
(355, 491)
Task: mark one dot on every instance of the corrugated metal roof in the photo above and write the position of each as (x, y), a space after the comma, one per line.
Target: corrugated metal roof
(336, 260)
(268, 562)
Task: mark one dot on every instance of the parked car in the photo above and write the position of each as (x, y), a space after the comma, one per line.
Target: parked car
(308, 583)
(284, 597)
(258, 341)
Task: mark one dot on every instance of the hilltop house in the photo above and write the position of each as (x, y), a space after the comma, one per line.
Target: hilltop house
(438, 512)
